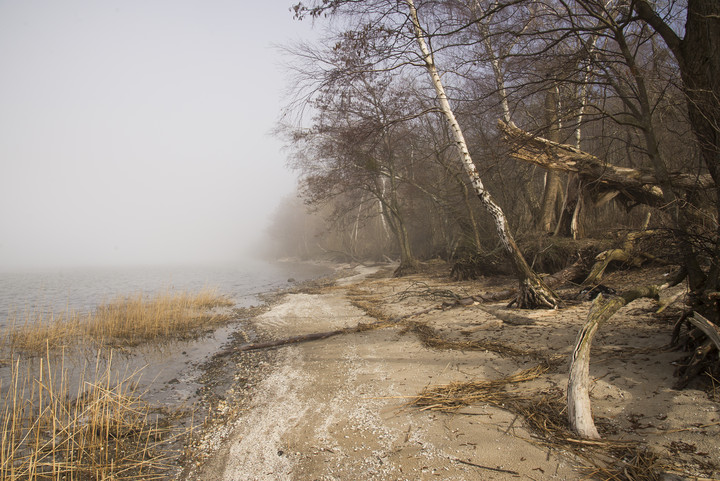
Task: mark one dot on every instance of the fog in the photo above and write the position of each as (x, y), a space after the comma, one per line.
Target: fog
(137, 131)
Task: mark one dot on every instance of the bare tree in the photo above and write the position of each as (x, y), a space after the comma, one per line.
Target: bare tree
(352, 146)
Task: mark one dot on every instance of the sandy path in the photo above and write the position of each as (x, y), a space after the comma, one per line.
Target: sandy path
(336, 409)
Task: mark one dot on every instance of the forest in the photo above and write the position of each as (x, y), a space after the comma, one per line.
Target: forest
(525, 137)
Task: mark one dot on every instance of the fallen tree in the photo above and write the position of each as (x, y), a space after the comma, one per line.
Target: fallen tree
(602, 180)
(627, 253)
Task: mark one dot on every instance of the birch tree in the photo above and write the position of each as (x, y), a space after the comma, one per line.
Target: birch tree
(533, 292)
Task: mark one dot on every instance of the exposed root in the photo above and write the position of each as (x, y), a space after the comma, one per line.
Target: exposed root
(406, 269)
(534, 294)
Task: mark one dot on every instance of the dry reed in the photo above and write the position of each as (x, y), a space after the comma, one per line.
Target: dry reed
(124, 321)
(99, 429)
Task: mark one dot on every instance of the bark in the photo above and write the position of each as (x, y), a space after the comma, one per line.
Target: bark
(532, 291)
(711, 330)
(578, 390)
(627, 254)
(704, 356)
(551, 191)
(392, 214)
(698, 56)
(569, 219)
(569, 222)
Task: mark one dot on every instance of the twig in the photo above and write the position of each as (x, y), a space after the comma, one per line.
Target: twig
(498, 470)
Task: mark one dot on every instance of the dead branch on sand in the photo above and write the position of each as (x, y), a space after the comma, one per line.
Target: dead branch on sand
(578, 390)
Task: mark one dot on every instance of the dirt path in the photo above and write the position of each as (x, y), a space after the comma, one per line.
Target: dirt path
(338, 408)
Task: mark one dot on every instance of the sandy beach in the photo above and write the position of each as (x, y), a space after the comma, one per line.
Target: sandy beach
(342, 408)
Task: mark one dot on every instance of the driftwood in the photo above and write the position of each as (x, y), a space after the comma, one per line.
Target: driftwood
(630, 185)
(578, 390)
(565, 275)
(627, 254)
(711, 330)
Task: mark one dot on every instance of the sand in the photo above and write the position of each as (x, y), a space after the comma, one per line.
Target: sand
(340, 408)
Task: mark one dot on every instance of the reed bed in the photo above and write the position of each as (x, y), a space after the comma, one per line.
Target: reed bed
(126, 321)
(99, 428)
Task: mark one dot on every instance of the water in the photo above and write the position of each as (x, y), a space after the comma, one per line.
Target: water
(82, 290)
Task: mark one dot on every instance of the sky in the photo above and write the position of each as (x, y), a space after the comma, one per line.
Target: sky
(138, 131)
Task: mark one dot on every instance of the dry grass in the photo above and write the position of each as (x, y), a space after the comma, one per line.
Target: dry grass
(98, 429)
(544, 416)
(454, 395)
(121, 322)
(432, 339)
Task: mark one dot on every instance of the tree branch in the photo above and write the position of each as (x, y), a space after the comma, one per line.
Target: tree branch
(646, 13)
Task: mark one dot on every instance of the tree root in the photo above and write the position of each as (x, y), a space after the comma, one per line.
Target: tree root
(535, 294)
(704, 355)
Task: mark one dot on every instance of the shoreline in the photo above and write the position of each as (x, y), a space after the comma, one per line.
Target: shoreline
(171, 380)
(348, 406)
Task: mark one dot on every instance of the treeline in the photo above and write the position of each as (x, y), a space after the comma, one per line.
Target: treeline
(380, 168)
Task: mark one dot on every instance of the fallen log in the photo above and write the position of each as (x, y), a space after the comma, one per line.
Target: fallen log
(628, 254)
(711, 330)
(578, 390)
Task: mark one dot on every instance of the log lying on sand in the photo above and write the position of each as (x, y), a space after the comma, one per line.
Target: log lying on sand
(628, 254)
(711, 330)
(578, 390)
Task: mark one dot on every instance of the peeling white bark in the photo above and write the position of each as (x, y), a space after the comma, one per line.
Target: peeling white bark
(468, 164)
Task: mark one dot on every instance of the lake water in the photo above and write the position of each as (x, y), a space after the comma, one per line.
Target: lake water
(60, 290)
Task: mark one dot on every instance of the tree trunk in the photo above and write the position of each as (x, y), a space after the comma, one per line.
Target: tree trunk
(532, 291)
(551, 192)
(569, 222)
(627, 184)
(698, 56)
(394, 220)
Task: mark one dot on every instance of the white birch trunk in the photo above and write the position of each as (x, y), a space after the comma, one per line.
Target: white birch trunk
(468, 164)
(533, 292)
